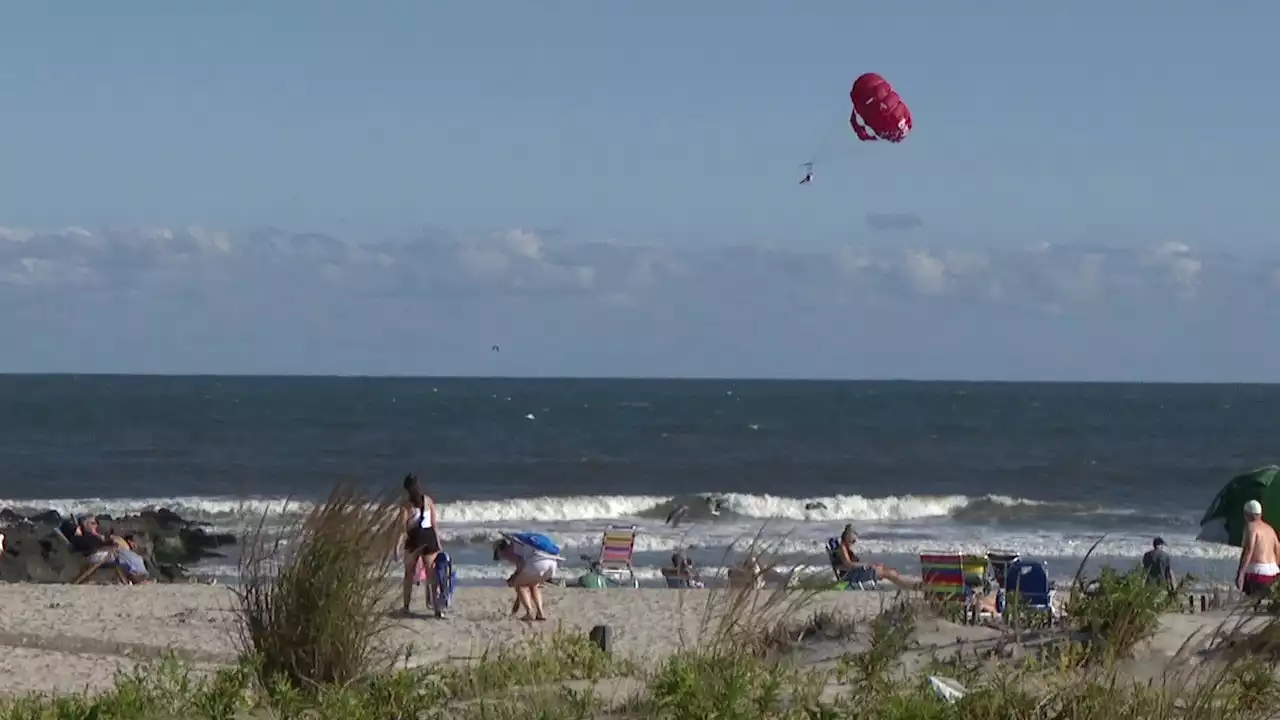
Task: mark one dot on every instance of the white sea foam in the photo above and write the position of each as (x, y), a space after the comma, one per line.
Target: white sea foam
(544, 509)
(812, 543)
(893, 525)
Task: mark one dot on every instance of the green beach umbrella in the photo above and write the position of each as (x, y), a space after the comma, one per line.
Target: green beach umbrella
(1224, 521)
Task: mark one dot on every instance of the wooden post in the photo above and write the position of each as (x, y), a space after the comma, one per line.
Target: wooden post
(602, 638)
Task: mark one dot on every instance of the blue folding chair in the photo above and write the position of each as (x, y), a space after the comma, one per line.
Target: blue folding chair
(1029, 582)
(856, 579)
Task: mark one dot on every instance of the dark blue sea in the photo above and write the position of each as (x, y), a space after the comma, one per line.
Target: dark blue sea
(1045, 469)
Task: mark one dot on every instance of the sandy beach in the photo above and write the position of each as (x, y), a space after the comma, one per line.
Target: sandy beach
(61, 638)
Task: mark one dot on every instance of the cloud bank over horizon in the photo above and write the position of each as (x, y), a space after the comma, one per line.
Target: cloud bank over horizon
(202, 300)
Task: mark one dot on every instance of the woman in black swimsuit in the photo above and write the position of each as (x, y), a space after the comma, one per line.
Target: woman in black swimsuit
(421, 540)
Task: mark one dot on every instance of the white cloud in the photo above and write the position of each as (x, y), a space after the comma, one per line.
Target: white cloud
(199, 299)
(927, 274)
(520, 262)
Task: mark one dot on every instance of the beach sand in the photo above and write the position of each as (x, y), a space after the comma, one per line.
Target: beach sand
(61, 638)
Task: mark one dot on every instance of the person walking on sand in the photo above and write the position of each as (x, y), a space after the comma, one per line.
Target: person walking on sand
(1159, 566)
(421, 539)
(1259, 554)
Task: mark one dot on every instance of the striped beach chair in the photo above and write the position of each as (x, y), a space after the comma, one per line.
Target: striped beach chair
(617, 548)
(975, 571)
(942, 576)
(952, 577)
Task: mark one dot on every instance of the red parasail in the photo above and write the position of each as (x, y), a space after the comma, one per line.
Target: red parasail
(885, 115)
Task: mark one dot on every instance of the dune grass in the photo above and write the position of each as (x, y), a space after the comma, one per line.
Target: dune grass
(312, 598)
(313, 617)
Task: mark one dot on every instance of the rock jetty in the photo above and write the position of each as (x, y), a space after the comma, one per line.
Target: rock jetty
(35, 550)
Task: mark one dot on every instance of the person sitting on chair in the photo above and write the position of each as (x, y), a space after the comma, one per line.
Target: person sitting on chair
(855, 571)
(682, 567)
(592, 579)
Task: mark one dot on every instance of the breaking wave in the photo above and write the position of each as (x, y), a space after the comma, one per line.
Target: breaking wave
(845, 507)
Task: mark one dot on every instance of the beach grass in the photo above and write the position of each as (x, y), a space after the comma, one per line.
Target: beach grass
(313, 619)
(311, 599)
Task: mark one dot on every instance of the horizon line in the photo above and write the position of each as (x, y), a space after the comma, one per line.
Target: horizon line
(624, 378)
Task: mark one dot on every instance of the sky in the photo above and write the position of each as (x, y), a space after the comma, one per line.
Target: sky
(611, 189)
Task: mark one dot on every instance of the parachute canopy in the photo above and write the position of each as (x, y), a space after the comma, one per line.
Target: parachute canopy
(884, 114)
(1224, 520)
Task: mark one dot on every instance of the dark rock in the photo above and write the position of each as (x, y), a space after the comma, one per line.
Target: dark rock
(200, 539)
(48, 517)
(165, 518)
(35, 550)
(34, 553)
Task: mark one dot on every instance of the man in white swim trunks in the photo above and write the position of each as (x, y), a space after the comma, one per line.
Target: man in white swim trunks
(1259, 554)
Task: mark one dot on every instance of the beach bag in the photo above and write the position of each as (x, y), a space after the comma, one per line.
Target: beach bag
(445, 578)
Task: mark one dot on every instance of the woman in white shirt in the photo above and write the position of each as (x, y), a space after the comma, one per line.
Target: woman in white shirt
(533, 568)
(421, 540)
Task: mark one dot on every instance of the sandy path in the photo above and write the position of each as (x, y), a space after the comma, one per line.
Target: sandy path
(64, 638)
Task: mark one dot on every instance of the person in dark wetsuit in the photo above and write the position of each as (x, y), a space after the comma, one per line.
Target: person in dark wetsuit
(421, 539)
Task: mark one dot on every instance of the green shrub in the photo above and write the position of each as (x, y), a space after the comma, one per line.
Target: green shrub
(693, 685)
(538, 660)
(1119, 611)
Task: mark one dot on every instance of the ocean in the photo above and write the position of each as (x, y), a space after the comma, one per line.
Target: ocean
(1044, 469)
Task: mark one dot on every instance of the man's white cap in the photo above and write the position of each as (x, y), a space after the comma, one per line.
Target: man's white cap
(1253, 507)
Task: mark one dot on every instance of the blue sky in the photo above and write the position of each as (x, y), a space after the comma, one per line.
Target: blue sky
(538, 149)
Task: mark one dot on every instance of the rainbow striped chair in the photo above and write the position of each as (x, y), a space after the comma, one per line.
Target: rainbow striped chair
(952, 576)
(617, 548)
(942, 576)
(975, 570)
